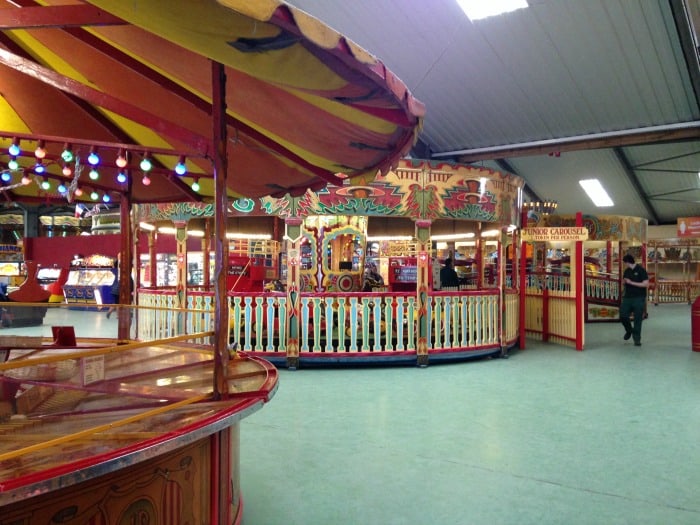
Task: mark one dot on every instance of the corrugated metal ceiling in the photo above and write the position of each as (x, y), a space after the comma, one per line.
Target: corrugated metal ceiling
(562, 90)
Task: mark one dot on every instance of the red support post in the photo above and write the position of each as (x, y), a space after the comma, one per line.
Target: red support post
(522, 284)
(579, 289)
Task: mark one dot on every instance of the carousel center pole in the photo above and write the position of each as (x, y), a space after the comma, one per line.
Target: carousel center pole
(125, 262)
(220, 500)
(221, 247)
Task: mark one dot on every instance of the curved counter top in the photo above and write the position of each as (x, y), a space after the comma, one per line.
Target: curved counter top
(124, 430)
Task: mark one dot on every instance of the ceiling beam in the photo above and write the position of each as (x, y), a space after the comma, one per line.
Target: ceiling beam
(632, 176)
(685, 20)
(56, 16)
(630, 137)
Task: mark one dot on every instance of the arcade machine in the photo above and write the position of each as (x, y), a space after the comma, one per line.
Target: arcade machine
(89, 282)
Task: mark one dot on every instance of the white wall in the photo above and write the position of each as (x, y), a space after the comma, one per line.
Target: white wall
(667, 231)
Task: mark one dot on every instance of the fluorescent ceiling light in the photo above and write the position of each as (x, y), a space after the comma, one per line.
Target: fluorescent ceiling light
(251, 236)
(380, 238)
(478, 9)
(451, 236)
(595, 191)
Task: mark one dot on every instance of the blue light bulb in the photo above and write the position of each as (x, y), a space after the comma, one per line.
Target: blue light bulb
(6, 176)
(62, 188)
(121, 177)
(180, 168)
(39, 168)
(93, 159)
(14, 149)
(106, 198)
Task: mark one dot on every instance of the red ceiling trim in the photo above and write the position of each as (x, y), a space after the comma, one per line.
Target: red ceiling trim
(68, 85)
(56, 16)
(102, 144)
(89, 110)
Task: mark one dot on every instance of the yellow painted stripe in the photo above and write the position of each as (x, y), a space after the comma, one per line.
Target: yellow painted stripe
(10, 121)
(208, 29)
(100, 428)
(20, 363)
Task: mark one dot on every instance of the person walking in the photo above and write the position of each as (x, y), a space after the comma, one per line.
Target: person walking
(636, 281)
(114, 290)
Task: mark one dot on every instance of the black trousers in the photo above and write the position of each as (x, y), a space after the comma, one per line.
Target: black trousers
(633, 306)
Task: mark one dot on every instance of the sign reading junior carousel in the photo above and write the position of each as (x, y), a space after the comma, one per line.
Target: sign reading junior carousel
(577, 233)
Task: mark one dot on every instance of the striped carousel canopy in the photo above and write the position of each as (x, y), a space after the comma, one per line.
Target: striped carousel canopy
(134, 80)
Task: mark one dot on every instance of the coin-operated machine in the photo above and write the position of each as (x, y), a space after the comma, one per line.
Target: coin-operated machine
(89, 282)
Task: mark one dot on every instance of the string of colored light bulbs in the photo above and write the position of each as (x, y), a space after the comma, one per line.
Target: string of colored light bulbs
(68, 194)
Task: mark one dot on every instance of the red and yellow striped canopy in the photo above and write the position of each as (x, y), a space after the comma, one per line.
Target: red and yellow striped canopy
(303, 103)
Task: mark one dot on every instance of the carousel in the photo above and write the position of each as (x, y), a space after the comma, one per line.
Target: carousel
(352, 298)
(115, 102)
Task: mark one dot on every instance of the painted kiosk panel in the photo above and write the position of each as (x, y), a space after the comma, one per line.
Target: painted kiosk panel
(252, 264)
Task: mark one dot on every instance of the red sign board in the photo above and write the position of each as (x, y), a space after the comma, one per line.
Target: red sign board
(688, 227)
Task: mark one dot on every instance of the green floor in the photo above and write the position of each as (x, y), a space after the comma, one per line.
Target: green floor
(604, 436)
(550, 436)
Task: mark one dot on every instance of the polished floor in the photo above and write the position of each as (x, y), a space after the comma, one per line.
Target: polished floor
(610, 435)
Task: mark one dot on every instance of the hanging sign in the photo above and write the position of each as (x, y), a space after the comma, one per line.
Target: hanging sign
(688, 227)
(576, 233)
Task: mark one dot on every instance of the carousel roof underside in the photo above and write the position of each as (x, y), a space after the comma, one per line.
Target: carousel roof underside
(304, 106)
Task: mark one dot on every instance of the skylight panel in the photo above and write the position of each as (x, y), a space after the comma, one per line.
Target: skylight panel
(478, 9)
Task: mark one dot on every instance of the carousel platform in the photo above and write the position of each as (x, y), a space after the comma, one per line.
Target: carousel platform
(95, 429)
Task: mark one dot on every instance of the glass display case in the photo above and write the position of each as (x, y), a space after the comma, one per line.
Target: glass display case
(196, 267)
(48, 275)
(674, 270)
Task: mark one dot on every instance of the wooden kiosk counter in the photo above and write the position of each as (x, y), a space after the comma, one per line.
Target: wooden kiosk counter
(109, 432)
